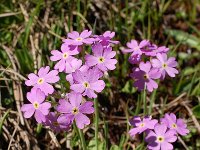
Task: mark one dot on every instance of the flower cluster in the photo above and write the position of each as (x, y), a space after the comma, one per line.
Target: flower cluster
(83, 75)
(150, 63)
(159, 135)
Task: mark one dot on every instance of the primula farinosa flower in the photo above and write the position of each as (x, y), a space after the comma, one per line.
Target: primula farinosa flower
(74, 110)
(74, 38)
(72, 67)
(141, 125)
(145, 74)
(160, 138)
(105, 39)
(176, 124)
(37, 106)
(56, 123)
(135, 59)
(42, 80)
(102, 58)
(153, 50)
(165, 65)
(135, 48)
(64, 57)
(87, 82)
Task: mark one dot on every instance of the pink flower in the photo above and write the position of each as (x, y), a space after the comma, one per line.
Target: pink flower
(160, 138)
(105, 39)
(87, 82)
(141, 125)
(64, 57)
(42, 80)
(176, 124)
(135, 48)
(37, 106)
(72, 67)
(145, 74)
(74, 38)
(153, 50)
(102, 58)
(57, 124)
(135, 59)
(165, 65)
(74, 110)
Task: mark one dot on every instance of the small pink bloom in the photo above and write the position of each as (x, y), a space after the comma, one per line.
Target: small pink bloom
(42, 80)
(37, 106)
(74, 38)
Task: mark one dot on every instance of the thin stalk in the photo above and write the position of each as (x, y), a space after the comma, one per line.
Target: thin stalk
(81, 137)
(144, 100)
(96, 122)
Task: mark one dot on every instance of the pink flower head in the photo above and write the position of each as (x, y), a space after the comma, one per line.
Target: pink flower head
(72, 67)
(74, 38)
(135, 48)
(141, 125)
(153, 50)
(160, 138)
(87, 82)
(176, 124)
(42, 80)
(105, 39)
(145, 74)
(74, 110)
(102, 58)
(165, 65)
(64, 57)
(135, 59)
(56, 123)
(37, 106)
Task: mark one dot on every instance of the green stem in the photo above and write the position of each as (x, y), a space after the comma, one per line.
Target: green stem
(96, 122)
(144, 100)
(81, 137)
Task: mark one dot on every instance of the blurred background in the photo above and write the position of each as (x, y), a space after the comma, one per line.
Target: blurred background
(30, 29)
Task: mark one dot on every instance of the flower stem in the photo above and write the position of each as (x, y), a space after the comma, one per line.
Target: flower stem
(96, 122)
(81, 137)
(144, 100)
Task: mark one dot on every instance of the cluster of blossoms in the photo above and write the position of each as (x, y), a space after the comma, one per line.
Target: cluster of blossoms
(83, 76)
(150, 63)
(159, 135)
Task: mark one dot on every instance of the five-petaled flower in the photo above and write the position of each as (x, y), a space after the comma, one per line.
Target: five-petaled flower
(37, 106)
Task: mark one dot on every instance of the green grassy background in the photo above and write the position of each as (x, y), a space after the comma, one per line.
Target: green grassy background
(29, 30)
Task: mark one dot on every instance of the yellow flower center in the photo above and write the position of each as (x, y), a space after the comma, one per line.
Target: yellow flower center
(145, 76)
(142, 125)
(65, 55)
(56, 123)
(75, 111)
(79, 39)
(164, 65)
(174, 125)
(36, 105)
(101, 60)
(40, 80)
(160, 139)
(86, 84)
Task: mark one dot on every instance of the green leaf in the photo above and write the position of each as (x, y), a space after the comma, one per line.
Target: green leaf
(3, 119)
(92, 146)
(196, 111)
(184, 38)
(115, 147)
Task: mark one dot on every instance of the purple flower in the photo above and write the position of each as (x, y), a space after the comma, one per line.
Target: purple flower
(56, 123)
(87, 82)
(37, 106)
(105, 39)
(145, 74)
(72, 67)
(135, 48)
(42, 80)
(160, 138)
(176, 124)
(141, 125)
(165, 65)
(153, 50)
(102, 58)
(74, 38)
(64, 57)
(135, 59)
(74, 110)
